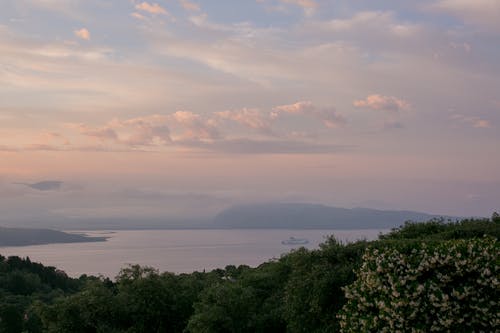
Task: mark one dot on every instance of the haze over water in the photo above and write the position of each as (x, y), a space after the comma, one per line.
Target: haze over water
(178, 251)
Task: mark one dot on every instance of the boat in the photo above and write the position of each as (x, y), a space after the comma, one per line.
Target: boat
(295, 241)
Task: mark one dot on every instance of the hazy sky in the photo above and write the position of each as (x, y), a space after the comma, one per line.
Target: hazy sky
(181, 107)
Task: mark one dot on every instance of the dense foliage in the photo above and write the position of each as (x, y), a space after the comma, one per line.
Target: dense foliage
(449, 287)
(322, 290)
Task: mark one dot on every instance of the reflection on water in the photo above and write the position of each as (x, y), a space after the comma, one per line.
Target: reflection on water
(179, 251)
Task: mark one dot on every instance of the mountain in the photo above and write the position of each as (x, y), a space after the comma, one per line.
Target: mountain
(46, 185)
(22, 237)
(314, 216)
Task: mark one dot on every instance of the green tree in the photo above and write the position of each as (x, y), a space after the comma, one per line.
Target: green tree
(314, 293)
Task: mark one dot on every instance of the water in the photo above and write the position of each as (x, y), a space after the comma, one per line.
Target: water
(178, 251)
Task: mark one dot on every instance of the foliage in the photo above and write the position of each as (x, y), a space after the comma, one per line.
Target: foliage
(439, 229)
(313, 292)
(248, 301)
(303, 291)
(451, 287)
(24, 283)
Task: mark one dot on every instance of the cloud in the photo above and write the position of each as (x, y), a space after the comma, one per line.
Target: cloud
(251, 146)
(195, 127)
(188, 5)
(252, 118)
(198, 132)
(472, 121)
(145, 131)
(328, 115)
(302, 3)
(481, 13)
(142, 131)
(309, 6)
(482, 123)
(82, 33)
(372, 24)
(138, 16)
(383, 103)
(154, 8)
(103, 133)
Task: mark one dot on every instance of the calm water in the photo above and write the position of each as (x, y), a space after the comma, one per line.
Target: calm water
(179, 251)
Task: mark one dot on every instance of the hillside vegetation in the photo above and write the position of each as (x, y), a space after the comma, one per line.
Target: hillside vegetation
(420, 277)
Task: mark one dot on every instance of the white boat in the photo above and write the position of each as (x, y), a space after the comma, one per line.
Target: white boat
(294, 241)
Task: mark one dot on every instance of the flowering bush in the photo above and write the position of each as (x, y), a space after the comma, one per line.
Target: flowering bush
(449, 287)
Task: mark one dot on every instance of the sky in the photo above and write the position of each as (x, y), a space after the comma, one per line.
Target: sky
(179, 108)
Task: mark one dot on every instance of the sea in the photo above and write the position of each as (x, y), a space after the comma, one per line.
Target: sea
(177, 251)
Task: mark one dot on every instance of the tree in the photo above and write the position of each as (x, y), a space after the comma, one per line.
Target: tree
(495, 217)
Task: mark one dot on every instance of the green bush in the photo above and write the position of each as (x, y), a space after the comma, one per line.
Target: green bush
(448, 287)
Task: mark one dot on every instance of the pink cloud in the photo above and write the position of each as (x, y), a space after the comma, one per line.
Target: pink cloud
(138, 16)
(146, 131)
(195, 127)
(475, 122)
(383, 103)
(105, 133)
(82, 33)
(191, 6)
(482, 13)
(309, 6)
(302, 3)
(481, 123)
(142, 131)
(251, 118)
(306, 4)
(328, 115)
(151, 8)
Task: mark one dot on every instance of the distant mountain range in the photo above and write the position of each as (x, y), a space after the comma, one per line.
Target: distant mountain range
(22, 237)
(314, 216)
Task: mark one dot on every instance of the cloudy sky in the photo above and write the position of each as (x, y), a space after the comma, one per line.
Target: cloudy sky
(181, 107)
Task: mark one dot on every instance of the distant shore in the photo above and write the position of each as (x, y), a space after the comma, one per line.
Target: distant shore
(27, 236)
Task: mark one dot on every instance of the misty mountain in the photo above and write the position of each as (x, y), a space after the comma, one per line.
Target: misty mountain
(22, 237)
(47, 185)
(314, 216)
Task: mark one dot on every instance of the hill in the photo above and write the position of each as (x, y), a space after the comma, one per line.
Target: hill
(315, 216)
(22, 237)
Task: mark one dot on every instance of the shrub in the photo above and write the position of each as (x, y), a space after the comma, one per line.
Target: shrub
(448, 287)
